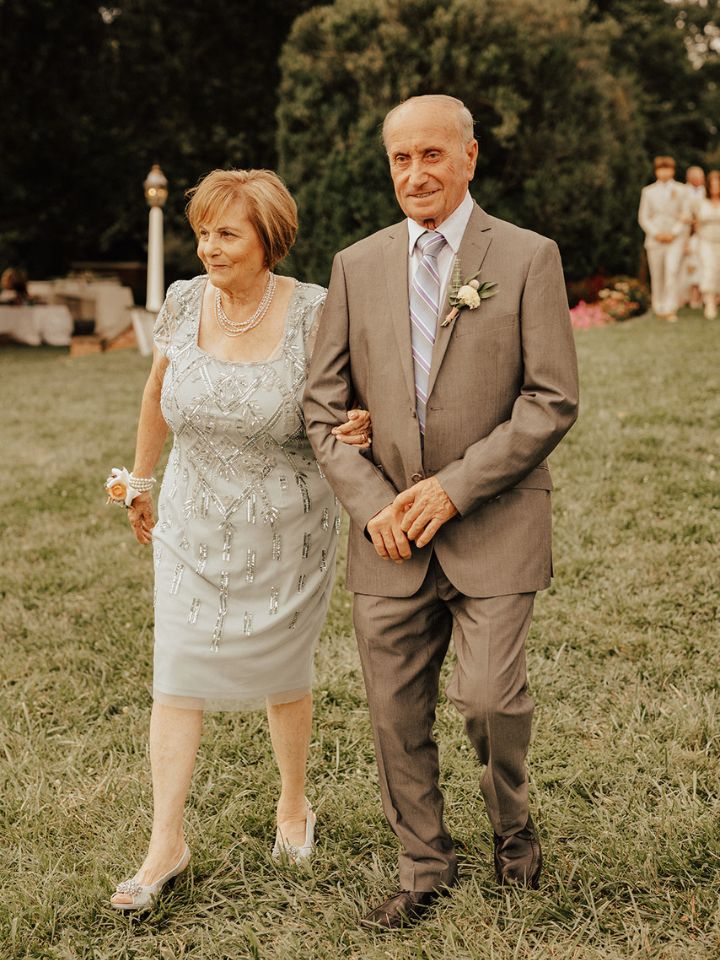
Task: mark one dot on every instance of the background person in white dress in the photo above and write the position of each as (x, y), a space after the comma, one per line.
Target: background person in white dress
(690, 270)
(708, 232)
(662, 216)
(244, 547)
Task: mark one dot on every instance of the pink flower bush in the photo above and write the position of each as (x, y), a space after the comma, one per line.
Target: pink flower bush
(583, 316)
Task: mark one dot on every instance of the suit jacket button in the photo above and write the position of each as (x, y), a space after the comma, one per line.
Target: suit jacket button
(416, 477)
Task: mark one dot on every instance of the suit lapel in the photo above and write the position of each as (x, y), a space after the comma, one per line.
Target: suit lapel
(475, 243)
(396, 279)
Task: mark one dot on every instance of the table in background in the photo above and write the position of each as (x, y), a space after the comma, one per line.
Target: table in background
(104, 301)
(51, 324)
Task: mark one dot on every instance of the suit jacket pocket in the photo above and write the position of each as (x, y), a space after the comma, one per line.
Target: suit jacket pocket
(537, 479)
(472, 323)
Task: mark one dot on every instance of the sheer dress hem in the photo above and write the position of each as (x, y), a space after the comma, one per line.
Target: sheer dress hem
(226, 704)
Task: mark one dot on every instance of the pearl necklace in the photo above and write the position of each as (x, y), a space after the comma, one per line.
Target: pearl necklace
(233, 328)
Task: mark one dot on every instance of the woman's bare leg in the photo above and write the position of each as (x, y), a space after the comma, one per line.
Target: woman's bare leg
(174, 740)
(290, 728)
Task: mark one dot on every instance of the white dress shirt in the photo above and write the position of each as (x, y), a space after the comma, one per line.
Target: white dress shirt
(452, 229)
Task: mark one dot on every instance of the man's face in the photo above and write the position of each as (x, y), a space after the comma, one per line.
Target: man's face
(664, 174)
(695, 177)
(429, 164)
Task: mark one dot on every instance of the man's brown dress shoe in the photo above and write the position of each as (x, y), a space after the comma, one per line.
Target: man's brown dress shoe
(518, 857)
(401, 910)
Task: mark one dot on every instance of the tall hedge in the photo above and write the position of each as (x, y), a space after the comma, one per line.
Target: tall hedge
(559, 139)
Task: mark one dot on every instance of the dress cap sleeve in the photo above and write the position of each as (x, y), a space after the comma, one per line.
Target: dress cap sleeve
(169, 318)
(312, 316)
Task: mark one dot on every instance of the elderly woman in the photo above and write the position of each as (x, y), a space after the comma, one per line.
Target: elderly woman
(244, 547)
(707, 227)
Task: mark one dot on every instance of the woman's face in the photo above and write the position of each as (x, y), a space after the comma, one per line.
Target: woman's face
(230, 249)
(714, 187)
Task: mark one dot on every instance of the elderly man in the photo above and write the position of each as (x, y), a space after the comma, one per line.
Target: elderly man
(450, 512)
(664, 217)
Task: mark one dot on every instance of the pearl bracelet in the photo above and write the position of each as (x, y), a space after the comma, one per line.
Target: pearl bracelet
(142, 484)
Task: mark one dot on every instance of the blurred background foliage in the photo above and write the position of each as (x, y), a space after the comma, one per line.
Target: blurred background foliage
(571, 97)
(94, 95)
(559, 134)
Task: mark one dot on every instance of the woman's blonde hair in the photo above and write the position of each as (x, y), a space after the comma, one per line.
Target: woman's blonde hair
(270, 207)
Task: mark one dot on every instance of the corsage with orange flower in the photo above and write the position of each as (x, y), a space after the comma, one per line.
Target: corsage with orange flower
(122, 486)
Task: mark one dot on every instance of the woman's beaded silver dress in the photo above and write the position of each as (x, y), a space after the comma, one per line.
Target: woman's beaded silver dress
(245, 542)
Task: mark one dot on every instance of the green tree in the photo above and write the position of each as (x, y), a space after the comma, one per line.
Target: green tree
(93, 95)
(559, 145)
(671, 50)
(700, 22)
(51, 166)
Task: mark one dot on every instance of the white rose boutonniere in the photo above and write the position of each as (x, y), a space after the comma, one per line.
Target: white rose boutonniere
(467, 294)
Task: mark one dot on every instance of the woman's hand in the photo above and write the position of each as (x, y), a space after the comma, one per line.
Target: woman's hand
(141, 517)
(356, 431)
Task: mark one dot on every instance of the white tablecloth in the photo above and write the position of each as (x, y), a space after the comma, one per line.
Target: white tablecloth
(51, 324)
(104, 301)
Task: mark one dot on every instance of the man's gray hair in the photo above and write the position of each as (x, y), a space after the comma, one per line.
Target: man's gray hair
(465, 122)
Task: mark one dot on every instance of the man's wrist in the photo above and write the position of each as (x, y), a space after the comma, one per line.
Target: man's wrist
(365, 531)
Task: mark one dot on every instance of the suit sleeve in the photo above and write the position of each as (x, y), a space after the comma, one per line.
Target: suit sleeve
(547, 405)
(645, 216)
(359, 485)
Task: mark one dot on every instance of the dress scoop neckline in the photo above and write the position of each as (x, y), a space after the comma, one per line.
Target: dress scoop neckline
(277, 349)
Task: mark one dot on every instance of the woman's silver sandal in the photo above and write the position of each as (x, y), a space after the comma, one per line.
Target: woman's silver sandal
(284, 850)
(144, 895)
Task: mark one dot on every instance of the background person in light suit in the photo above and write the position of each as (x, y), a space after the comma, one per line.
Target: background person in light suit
(450, 513)
(664, 217)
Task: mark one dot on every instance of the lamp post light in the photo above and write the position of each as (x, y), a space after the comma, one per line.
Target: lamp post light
(156, 193)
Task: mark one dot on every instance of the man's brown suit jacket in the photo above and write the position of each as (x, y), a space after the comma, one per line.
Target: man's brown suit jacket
(503, 392)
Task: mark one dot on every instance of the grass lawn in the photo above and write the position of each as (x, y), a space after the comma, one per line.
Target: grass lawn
(624, 667)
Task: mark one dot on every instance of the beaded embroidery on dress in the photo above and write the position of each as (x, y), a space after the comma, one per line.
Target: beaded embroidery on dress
(244, 547)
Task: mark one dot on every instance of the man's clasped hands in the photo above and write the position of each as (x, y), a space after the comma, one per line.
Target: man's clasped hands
(415, 514)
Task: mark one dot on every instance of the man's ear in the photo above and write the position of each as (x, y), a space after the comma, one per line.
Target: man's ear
(472, 155)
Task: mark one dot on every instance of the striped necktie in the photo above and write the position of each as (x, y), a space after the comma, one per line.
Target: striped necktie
(424, 308)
